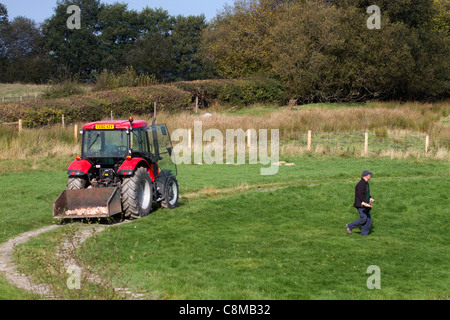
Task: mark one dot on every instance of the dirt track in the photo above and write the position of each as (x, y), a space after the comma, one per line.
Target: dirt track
(9, 269)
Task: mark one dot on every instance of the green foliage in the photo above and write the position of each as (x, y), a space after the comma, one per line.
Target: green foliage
(108, 80)
(237, 41)
(65, 88)
(95, 106)
(112, 37)
(75, 51)
(326, 52)
(23, 56)
(236, 91)
(441, 19)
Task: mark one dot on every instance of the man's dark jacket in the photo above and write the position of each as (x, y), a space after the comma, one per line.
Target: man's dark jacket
(362, 193)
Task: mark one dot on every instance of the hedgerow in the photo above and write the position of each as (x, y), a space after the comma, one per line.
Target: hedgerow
(126, 101)
(95, 106)
(235, 91)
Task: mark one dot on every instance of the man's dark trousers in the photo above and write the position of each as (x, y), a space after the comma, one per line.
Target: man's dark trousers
(364, 221)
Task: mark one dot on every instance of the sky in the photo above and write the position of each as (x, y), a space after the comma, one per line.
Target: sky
(39, 10)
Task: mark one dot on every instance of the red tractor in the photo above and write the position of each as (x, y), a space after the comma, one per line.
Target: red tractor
(125, 167)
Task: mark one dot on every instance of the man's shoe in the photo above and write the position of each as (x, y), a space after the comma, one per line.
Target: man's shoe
(348, 230)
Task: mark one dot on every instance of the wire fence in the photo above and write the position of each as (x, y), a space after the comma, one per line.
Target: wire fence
(19, 98)
(394, 143)
(367, 143)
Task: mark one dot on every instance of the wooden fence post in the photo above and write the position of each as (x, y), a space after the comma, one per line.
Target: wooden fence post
(75, 133)
(366, 143)
(62, 120)
(309, 139)
(20, 125)
(427, 144)
(196, 104)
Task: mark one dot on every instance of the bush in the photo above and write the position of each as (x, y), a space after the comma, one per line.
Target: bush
(235, 91)
(65, 88)
(108, 80)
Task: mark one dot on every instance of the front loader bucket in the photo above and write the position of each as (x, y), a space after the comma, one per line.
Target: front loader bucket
(87, 203)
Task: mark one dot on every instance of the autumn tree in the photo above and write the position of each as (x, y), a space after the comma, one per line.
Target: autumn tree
(324, 51)
(236, 41)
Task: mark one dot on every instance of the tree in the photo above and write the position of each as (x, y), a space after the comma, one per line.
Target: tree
(75, 51)
(412, 13)
(152, 53)
(186, 39)
(236, 41)
(22, 52)
(440, 21)
(323, 50)
(330, 55)
(3, 14)
(3, 32)
(168, 46)
(119, 29)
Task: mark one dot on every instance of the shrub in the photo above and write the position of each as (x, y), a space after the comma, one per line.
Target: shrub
(235, 91)
(108, 80)
(65, 88)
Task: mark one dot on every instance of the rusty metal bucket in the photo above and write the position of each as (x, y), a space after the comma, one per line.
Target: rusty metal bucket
(77, 202)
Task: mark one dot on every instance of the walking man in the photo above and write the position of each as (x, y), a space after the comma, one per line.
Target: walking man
(362, 203)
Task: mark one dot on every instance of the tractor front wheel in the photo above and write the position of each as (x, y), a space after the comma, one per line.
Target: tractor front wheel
(137, 194)
(170, 193)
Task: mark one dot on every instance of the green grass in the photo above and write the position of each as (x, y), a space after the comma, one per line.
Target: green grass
(269, 237)
(19, 89)
(291, 244)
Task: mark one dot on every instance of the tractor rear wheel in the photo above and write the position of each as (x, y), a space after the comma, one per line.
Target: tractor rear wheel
(76, 183)
(137, 194)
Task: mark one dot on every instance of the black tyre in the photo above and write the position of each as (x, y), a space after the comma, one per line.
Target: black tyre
(171, 193)
(76, 183)
(137, 194)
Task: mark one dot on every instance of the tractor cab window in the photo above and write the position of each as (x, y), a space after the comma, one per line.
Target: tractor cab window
(139, 141)
(104, 143)
(160, 139)
(161, 143)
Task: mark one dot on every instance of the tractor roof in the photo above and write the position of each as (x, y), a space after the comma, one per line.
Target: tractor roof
(118, 124)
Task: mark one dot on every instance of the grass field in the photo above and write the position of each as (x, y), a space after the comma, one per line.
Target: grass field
(240, 235)
(19, 89)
